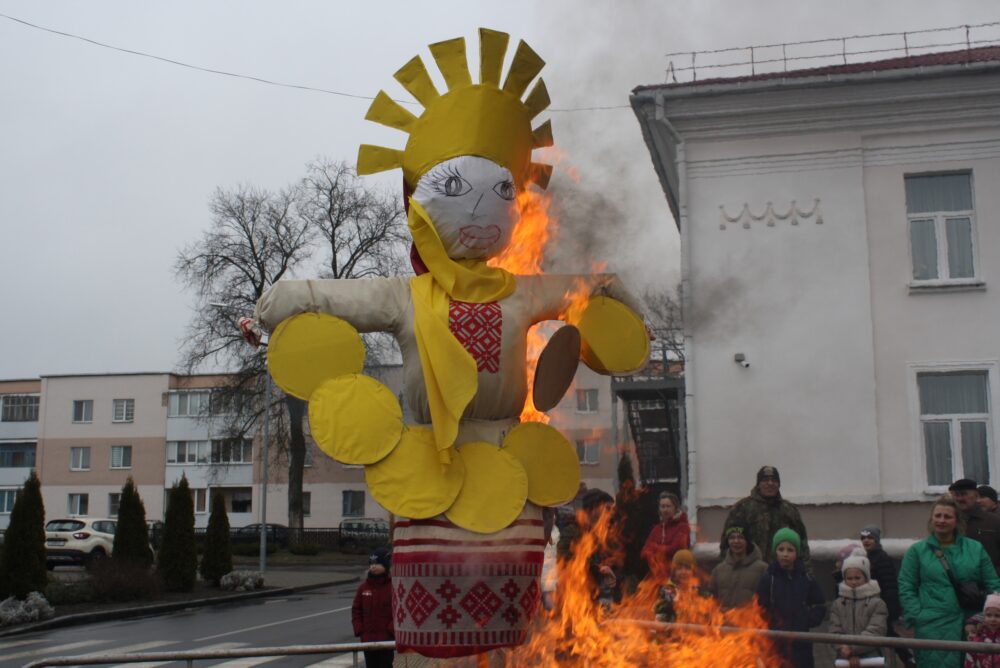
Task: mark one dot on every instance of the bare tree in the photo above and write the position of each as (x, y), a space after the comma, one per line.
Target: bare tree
(665, 318)
(257, 237)
(254, 239)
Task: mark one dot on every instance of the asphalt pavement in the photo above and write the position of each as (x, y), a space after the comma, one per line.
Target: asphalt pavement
(307, 612)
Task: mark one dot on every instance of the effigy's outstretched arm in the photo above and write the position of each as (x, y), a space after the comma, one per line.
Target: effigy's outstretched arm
(554, 294)
(369, 304)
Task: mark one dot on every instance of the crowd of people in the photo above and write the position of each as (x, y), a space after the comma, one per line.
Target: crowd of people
(946, 588)
(943, 590)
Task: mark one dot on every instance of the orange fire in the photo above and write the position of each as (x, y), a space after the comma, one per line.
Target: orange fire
(581, 632)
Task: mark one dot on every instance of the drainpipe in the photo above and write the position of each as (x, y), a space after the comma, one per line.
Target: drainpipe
(691, 495)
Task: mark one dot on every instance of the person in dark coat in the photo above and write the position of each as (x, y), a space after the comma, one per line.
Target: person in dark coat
(371, 613)
(764, 512)
(791, 598)
(979, 525)
(884, 571)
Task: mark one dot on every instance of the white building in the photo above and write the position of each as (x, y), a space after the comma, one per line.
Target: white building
(840, 229)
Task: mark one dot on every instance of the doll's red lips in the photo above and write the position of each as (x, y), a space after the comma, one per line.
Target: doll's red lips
(477, 236)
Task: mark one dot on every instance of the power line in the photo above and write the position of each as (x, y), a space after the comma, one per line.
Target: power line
(248, 77)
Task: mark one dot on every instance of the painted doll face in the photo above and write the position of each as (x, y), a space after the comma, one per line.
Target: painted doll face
(472, 203)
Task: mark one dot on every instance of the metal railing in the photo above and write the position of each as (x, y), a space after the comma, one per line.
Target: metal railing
(814, 638)
(211, 655)
(765, 58)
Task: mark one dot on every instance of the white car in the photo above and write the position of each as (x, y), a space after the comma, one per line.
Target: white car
(78, 540)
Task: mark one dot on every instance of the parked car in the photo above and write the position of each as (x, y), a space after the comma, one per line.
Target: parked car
(276, 533)
(78, 540)
(363, 529)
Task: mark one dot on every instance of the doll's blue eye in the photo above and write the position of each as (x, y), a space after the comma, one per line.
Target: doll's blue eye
(505, 189)
(455, 186)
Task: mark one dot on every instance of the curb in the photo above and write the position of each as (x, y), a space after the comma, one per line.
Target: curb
(161, 608)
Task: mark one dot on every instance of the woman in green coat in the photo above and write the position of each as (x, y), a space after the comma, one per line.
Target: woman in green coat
(927, 595)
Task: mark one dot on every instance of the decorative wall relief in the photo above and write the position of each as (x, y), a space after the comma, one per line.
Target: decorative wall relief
(769, 216)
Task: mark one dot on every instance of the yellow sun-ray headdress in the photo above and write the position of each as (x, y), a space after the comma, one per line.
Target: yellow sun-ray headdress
(481, 119)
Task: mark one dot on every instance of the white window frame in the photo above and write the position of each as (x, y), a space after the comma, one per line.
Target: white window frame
(81, 507)
(217, 452)
(114, 503)
(585, 394)
(306, 504)
(8, 495)
(919, 458)
(122, 449)
(196, 453)
(20, 407)
(84, 454)
(84, 404)
(199, 497)
(127, 412)
(180, 404)
(940, 219)
(591, 446)
(364, 502)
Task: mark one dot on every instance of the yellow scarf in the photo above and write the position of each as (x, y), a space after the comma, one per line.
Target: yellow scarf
(450, 373)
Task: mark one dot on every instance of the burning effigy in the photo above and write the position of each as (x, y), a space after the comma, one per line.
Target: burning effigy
(468, 474)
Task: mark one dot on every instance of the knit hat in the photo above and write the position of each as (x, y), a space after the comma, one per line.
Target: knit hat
(684, 558)
(786, 535)
(871, 531)
(742, 530)
(381, 556)
(988, 492)
(860, 561)
(847, 550)
(768, 472)
(992, 601)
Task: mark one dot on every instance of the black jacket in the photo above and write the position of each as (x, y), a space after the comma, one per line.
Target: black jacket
(884, 572)
(985, 528)
(792, 601)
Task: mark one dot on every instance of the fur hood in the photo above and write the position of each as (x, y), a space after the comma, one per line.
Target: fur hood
(867, 590)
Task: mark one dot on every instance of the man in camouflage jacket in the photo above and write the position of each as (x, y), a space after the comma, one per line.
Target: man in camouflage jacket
(764, 512)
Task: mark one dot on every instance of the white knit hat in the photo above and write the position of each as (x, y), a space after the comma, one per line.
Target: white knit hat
(860, 561)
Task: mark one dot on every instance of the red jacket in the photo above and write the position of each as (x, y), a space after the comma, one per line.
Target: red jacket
(664, 540)
(371, 613)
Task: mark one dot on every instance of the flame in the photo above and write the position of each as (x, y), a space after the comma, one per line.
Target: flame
(581, 632)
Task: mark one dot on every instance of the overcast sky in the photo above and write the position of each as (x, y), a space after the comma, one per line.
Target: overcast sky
(107, 160)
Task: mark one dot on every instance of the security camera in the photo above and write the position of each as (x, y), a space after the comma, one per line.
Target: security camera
(741, 359)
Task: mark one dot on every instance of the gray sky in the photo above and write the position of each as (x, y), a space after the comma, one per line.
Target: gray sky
(107, 160)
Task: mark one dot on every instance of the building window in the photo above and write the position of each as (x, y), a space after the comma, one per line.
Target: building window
(942, 227)
(241, 500)
(77, 504)
(187, 452)
(954, 419)
(17, 455)
(19, 408)
(189, 404)
(121, 456)
(79, 459)
(114, 501)
(586, 401)
(83, 410)
(232, 451)
(306, 504)
(589, 451)
(200, 499)
(123, 410)
(354, 503)
(7, 498)
(307, 460)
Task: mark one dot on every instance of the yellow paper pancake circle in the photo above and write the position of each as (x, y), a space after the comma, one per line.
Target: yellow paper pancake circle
(549, 459)
(411, 481)
(309, 348)
(494, 492)
(614, 338)
(355, 419)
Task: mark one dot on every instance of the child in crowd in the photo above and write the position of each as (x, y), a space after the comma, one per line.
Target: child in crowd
(987, 631)
(682, 583)
(791, 598)
(858, 610)
(371, 613)
(734, 581)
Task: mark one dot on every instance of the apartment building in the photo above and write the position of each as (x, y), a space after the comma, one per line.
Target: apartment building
(86, 434)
